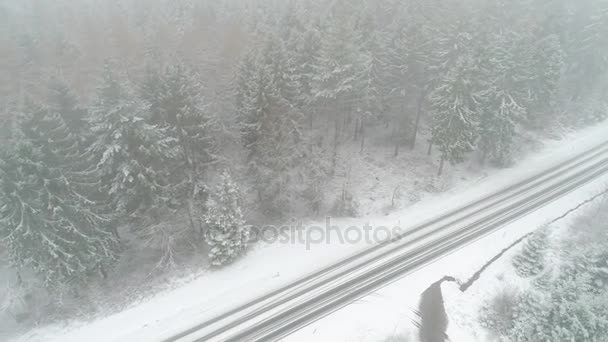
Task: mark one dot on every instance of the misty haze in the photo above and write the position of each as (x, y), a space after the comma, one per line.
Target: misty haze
(303, 170)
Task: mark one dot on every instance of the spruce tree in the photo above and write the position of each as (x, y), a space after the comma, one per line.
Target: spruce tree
(503, 96)
(547, 63)
(454, 128)
(226, 232)
(497, 126)
(50, 221)
(371, 71)
(530, 261)
(175, 100)
(408, 60)
(61, 100)
(270, 129)
(335, 68)
(132, 156)
(588, 59)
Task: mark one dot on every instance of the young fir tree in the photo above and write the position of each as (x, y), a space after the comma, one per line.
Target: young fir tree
(51, 221)
(131, 155)
(226, 232)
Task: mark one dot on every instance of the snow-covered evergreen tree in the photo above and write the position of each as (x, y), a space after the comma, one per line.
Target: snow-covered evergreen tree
(530, 261)
(503, 96)
(49, 225)
(371, 69)
(132, 156)
(588, 59)
(497, 127)
(270, 129)
(61, 100)
(455, 118)
(226, 232)
(408, 60)
(176, 103)
(334, 83)
(547, 64)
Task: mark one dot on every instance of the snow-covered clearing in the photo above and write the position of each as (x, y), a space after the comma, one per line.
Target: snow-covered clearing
(385, 313)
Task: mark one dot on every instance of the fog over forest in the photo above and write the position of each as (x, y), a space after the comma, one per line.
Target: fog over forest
(151, 133)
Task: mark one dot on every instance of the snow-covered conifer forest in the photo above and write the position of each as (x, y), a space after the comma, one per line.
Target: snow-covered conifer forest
(139, 133)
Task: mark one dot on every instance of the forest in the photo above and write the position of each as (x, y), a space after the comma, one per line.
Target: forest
(121, 118)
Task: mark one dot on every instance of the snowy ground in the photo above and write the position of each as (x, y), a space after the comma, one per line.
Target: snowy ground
(269, 265)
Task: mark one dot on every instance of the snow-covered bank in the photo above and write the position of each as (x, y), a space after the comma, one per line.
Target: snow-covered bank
(213, 292)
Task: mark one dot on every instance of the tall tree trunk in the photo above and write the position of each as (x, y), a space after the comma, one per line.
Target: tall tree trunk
(428, 153)
(335, 147)
(103, 272)
(418, 117)
(397, 137)
(362, 133)
(311, 118)
(441, 165)
(357, 129)
(115, 232)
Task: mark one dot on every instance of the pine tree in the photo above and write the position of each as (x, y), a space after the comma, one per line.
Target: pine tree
(497, 126)
(62, 101)
(547, 63)
(335, 69)
(454, 78)
(530, 261)
(588, 59)
(47, 224)
(175, 102)
(371, 72)
(408, 61)
(226, 231)
(254, 101)
(133, 157)
(455, 119)
(502, 96)
(270, 131)
(176, 105)
(306, 47)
